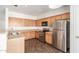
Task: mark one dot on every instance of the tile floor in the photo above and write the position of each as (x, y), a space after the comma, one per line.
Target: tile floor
(35, 46)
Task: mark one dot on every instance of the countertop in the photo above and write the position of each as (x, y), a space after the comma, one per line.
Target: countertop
(12, 37)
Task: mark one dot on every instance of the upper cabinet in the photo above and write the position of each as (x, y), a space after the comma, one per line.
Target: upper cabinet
(38, 23)
(29, 22)
(20, 22)
(65, 16)
(15, 22)
(58, 17)
(52, 19)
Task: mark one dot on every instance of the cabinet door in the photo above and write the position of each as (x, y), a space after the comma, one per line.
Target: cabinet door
(33, 23)
(20, 21)
(29, 22)
(11, 22)
(38, 22)
(49, 38)
(26, 22)
(66, 16)
(20, 45)
(16, 22)
(52, 20)
(15, 45)
(58, 17)
(12, 46)
(37, 34)
(32, 34)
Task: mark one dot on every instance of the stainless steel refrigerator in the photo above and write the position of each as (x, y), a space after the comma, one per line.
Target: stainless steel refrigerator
(61, 35)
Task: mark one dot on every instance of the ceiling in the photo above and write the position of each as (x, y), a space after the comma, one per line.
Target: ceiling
(33, 10)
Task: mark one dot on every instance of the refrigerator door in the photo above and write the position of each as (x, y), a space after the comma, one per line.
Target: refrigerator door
(61, 36)
(59, 25)
(59, 31)
(61, 41)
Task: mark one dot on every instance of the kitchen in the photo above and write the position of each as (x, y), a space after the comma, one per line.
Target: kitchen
(35, 29)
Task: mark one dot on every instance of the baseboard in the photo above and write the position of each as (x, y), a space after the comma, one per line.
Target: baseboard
(30, 39)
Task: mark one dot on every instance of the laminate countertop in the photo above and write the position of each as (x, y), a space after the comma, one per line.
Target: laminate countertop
(12, 37)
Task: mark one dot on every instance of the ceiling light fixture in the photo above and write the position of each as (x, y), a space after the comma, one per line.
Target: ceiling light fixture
(16, 5)
(54, 6)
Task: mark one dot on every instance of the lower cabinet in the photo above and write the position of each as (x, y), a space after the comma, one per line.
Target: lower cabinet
(16, 45)
(28, 34)
(49, 37)
(37, 34)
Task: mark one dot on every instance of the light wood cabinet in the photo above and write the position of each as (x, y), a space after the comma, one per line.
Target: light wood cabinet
(58, 17)
(29, 22)
(33, 22)
(49, 38)
(65, 16)
(16, 45)
(21, 22)
(52, 20)
(36, 34)
(26, 22)
(15, 22)
(38, 22)
(32, 34)
(28, 34)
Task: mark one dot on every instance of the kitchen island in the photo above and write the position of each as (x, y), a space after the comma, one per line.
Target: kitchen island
(16, 45)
